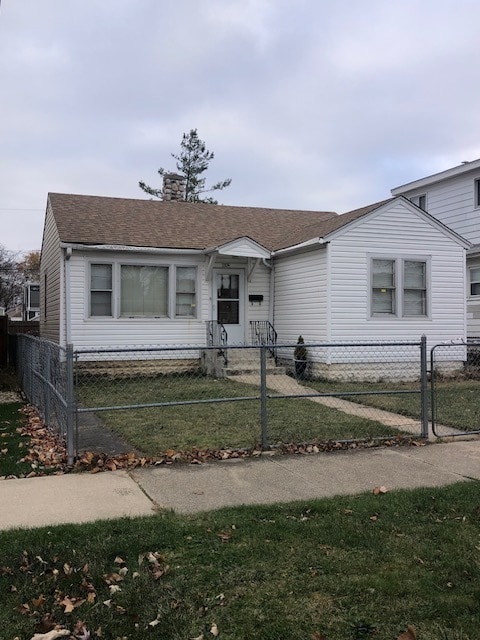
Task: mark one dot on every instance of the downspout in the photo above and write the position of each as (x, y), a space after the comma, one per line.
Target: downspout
(68, 321)
(272, 289)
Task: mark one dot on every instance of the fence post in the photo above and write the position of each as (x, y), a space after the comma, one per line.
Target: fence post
(263, 394)
(424, 385)
(70, 400)
(46, 390)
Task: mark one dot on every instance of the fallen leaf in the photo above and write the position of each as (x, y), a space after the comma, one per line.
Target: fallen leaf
(70, 604)
(214, 630)
(155, 622)
(80, 631)
(51, 635)
(379, 491)
(409, 634)
(225, 536)
(119, 560)
(374, 518)
(39, 602)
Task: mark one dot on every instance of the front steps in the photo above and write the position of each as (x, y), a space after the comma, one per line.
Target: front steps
(244, 362)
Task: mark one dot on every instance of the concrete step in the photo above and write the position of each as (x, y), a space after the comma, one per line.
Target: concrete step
(246, 370)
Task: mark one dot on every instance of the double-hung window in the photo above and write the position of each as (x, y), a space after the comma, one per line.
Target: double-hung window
(185, 292)
(101, 290)
(399, 287)
(474, 281)
(383, 287)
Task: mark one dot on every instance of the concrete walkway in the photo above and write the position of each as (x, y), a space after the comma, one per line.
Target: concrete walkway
(77, 498)
(286, 385)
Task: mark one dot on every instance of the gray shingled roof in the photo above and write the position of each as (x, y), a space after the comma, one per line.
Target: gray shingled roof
(149, 223)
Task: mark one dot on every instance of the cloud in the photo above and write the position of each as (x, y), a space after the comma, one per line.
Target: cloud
(306, 105)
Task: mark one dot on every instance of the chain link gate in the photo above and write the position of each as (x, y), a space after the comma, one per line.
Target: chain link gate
(455, 389)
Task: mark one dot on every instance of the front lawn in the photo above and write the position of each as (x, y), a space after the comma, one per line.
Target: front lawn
(13, 446)
(344, 569)
(213, 426)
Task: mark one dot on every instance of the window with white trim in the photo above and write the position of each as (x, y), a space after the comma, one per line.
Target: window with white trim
(399, 287)
(101, 290)
(143, 290)
(420, 201)
(185, 292)
(477, 192)
(474, 281)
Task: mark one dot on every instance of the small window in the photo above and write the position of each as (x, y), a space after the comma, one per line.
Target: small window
(101, 290)
(185, 293)
(475, 281)
(477, 192)
(420, 201)
(144, 291)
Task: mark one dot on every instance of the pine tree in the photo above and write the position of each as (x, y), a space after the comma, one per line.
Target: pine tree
(192, 162)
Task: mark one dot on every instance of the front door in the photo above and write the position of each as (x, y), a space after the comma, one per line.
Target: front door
(228, 303)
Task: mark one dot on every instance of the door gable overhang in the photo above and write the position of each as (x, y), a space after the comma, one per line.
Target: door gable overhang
(243, 247)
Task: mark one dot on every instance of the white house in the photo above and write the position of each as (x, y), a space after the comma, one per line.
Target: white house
(119, 272)
(453, 197)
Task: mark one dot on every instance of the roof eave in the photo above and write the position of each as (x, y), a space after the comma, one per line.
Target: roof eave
(436, 177)
(131, 249)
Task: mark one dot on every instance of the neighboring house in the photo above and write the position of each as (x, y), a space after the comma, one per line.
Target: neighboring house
(453, 197)
(31, 301)
(118, 272)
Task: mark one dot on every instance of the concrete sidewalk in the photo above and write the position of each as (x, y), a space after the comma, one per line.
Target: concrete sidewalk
(77, 498)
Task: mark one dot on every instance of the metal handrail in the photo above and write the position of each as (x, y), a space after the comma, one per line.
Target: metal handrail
(263, 333)
(217, 336)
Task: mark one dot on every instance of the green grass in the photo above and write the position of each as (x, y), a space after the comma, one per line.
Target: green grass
(457, 401)
(325, 567)
(212, 426)
(13, 446)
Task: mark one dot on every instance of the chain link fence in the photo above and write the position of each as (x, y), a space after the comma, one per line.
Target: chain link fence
(45, 373)
(254, 397)
(185, 398)
(455, 388)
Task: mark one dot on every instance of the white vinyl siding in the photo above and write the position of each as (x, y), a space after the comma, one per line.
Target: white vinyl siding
(301, 296)
(91, 332)
(259, 285)
(51, 282)
(382, 235)
(455, 203)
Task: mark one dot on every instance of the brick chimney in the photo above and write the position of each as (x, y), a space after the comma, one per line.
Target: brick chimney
(173, 187)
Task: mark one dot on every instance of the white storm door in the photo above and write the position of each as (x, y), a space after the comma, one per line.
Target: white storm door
(228, 303)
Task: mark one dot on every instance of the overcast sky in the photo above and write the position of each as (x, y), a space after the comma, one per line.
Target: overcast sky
(308, 104)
